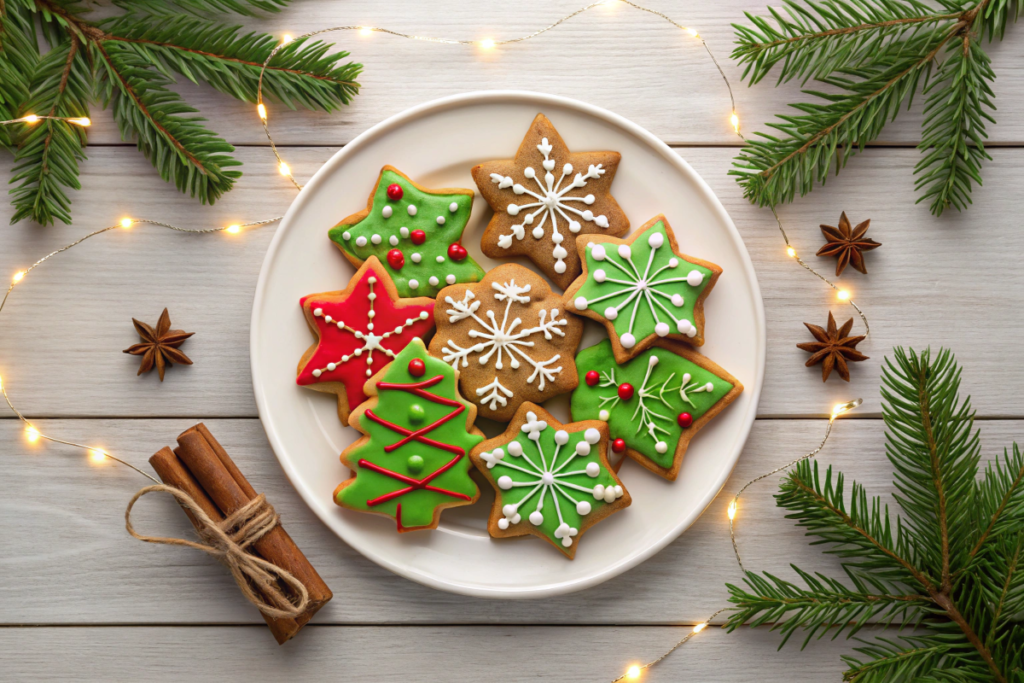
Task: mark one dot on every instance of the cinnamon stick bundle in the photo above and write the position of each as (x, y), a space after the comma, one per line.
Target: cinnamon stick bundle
(201, 467)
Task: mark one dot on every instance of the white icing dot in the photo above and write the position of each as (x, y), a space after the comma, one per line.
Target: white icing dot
(656, 240)
(598, 252)
(547, 479)
(560, 266)
(599, 492)
(529, 172)
(423, 315)
(509, 511)
(559, 252)
(513, 209)
(678, 301)
(331, 367)
(505, 482)
(589, 199)
(440, 259)
(341, 325)
(412, 209)
(583, 507)
(673, 262)
(372, 280)
(661, 329)
(346, 235)
(709, 387)
(593, 469)
(515, 448)
(694, 278)
(371, 314)
(627, 340)
(317, 373)
(376, 239)
(393, 241)
(371, 296)
(536, 518)
(557, 238)
(361, 241)
(625, 252)
(386, 212)
(652, 361)
(561, 437)
(416, 257)
(369, 372)
(453, 207)
(538, 232)
(611, 313)
(502, 523)
(588, 215)
(404, 232)
(433, 281)
(618, 491)
(580, 303)
(583, 448)
(592, 436)
(609, 494)
(661, 446)
(683, 326)
(327, 319)
(318, 312)
(600, 275)
(603, 415)
(440, 220)
(574, 226)
(450, 279)
(415, 284)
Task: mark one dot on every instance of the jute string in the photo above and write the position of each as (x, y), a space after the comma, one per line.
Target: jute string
(227, 541)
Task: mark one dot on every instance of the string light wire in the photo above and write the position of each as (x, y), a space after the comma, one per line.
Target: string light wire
(98, 454)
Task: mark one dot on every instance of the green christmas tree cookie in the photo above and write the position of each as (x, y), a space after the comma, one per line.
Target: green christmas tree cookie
(653, 404)
(550, 480)
(414, 231)
(414, 460)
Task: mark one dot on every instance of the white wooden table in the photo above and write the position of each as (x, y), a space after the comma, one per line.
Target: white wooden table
(79, 599)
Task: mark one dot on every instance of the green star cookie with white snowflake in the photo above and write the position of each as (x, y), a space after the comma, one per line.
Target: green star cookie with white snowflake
(642, 288)
(416, 232)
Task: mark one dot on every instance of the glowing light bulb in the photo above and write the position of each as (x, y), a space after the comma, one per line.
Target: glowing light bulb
(32, 434)
(487, 43)
(286, 38)
(83, 121)
(691, 31)
(30, 118)
(735, 121)
(283, 168)
(19, 275)
(97, 455)
(700, 627)
(633, 672)
(262, 111)
(843, 295)
(841, 408)
(365, 31)
(791, 251)
(126, 222)
(234, 229)
(732, 510)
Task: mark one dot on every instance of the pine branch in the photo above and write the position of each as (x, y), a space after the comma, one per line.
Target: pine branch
(47, 158)
(201, 50)
(19, 55)
(997, 14)
(999, 505)
(895, 661)
(183, 150)
(248, 8)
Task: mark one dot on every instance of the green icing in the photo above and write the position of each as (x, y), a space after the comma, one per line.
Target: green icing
(660, 395)
(438, 237)
(639, 309)
(551, 479)
(414, 459)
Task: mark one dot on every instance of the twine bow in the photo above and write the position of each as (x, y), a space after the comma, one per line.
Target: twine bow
(227, 541)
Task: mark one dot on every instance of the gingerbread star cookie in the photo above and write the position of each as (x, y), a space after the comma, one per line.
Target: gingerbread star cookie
(509, 338)
(416, 232)
(413, 459)
(642, 288)
(550, 480)
(358, 330)
(653, 404)
(546, 196)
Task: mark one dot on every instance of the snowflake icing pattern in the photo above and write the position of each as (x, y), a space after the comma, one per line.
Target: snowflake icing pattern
(549, 478)
(504, 338)
(551, 202)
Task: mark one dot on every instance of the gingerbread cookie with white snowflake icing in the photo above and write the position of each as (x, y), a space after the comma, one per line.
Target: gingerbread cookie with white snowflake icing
(642, 288)
(359, 330)
(550, 480)
(415, 231)
(653, 404)
(545, 197)
(509, 338)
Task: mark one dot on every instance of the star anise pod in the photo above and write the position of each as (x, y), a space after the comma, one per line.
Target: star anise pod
(833, 348)
(847, 245)
(159, 347)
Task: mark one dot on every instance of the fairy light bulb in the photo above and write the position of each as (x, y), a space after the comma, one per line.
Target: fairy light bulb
(126, 222)
(19, 276)
(283, 168)
(633, 672)
(735, 121)
(487, 43)
(234, 229)
(262, 111)
(82, 121)
(692, 31)
(843, 295)
(30, 118)
(286, 38)
(700, 627)
(97, 455)
(32, 434)
(732, 510)
(791, 251)
(365, 31)
(841, 408)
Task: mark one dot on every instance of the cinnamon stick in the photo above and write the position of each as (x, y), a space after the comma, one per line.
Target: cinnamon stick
(173, 473)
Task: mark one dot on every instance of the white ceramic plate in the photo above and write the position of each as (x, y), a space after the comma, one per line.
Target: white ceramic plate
(437, 144)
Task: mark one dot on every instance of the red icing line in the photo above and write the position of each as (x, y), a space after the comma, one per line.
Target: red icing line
(414, 484)
(418, 434)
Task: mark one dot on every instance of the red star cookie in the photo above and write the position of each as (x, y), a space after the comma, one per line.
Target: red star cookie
(351, 325)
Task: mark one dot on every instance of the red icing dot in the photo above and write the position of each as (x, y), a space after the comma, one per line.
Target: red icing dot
(396, 259)
(625, 391)
(457, 252)
(684, 420)
(418, 237)
(417, 367)
(619, 445)
(395, 192)
(592, 377)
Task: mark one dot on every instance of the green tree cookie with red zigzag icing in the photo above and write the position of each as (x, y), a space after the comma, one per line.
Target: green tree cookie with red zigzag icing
(416, 233)
(550, 480)
(653, 404)
(413, 460)
(642, 288)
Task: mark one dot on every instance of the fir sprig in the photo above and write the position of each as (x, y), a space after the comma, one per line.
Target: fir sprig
(872, 56)
(129, 63)
(951, 575)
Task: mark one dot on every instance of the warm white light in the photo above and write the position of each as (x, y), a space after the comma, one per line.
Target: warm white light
(96, 455)
(365, 31)
(126, 222)
(283, 168)
(262, 111)
(791, 251)
(691, 31)
(487, 43)
(735, 121)
(732, 510)
(19, 275)
(843, 295)
(845, 408)
(30, 118)
(286, 38)
(83, 121)
(234, 229)
(700, 627)
(32, 434)
(633, 672)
